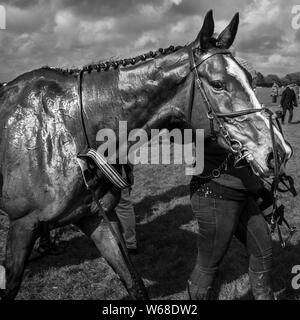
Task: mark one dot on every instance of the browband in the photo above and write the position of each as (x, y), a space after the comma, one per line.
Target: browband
(207, 55)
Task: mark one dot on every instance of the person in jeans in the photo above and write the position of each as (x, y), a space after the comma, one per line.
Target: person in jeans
(225, 207)
(274, 92)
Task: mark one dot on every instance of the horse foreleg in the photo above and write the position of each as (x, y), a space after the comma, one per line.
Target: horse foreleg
(99, 232)
(20, 240)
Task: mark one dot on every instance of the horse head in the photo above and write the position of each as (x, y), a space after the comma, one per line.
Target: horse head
(244, 126)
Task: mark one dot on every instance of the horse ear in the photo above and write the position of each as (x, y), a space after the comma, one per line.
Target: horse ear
(206, 31)
(227, 36)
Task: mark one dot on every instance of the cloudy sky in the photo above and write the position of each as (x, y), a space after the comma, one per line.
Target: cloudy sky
(70, 33)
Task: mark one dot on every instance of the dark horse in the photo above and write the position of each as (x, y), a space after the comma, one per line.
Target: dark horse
(41, 134)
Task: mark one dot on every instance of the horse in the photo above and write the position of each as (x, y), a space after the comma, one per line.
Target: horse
(41, 133)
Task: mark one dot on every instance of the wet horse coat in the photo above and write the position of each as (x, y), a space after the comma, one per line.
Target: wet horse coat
(41, 134)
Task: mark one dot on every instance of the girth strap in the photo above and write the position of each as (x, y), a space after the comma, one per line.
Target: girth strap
(107, 169)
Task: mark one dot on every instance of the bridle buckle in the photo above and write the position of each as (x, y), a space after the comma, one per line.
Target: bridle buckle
(216, 173)
(237, 148)
(210, 116)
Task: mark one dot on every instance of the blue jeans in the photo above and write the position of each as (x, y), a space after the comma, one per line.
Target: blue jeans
(218, 221)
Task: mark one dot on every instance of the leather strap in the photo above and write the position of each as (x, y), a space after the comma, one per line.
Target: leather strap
(80, 76)
(206, 55)
(191, 93)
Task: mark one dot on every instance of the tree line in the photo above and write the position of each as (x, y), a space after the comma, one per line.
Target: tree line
(267, 81)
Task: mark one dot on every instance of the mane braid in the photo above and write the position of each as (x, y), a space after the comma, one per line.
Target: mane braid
(105, 66)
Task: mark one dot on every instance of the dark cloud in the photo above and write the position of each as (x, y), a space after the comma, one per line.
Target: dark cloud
(23, 3)
(187, 8)
(26, 19)
(263, 42)
(96, 9)
(222, 9)
(74, 32)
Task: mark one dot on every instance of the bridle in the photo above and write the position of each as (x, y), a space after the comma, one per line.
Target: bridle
(277, 216)
(214, 116)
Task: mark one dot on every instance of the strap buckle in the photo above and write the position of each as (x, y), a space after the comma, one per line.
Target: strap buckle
(276, 220)
(216, 173)
(236, 146)
(210, 115)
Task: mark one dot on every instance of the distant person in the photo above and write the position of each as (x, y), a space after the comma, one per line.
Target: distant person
(288, 101)
(281, 89)
(274, 92)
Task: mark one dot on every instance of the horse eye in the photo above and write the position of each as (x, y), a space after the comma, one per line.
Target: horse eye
(218, 85)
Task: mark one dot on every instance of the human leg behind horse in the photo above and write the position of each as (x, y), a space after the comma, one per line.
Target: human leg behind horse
(291, 113)
(284, 109)
(126, 215)
(218, 221)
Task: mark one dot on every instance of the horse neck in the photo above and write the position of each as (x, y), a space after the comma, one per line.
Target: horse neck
(136, 94)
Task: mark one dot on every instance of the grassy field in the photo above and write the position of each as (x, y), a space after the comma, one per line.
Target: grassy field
(167, 244)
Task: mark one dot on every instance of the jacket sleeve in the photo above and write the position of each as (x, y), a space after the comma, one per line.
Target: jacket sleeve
(282, 97)
(295, 99)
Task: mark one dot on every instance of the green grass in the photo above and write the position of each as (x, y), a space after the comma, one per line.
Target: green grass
(167, 242)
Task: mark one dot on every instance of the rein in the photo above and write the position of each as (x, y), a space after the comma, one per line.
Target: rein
(80, 75)
(277, 216)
